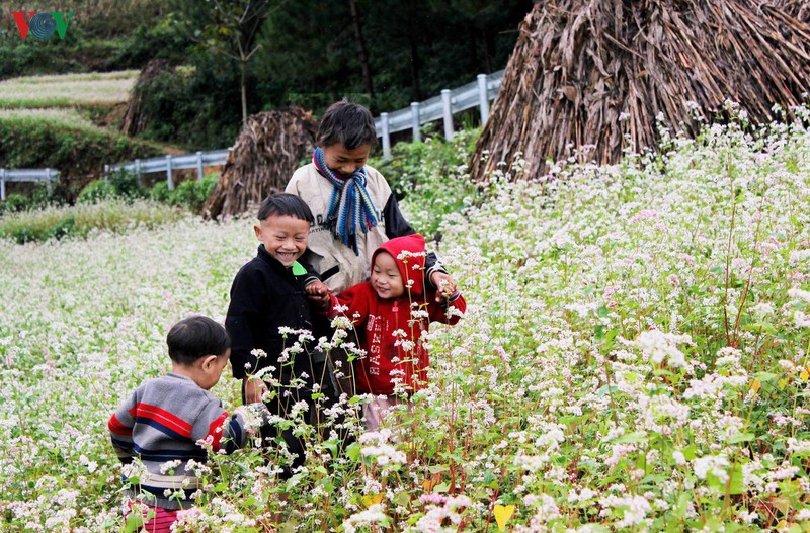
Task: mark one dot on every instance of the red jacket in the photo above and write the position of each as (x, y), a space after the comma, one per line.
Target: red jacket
(385, 327)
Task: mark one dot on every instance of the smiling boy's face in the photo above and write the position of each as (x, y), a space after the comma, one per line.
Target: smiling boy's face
(284, 237)
(345, 162)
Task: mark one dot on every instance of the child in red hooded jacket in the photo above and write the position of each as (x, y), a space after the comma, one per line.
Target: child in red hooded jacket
(389, 313)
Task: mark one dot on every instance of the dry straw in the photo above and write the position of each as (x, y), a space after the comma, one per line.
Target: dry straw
(590, 74)
(267, 152)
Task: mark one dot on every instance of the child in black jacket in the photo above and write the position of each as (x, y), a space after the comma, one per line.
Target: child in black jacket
(268, 294)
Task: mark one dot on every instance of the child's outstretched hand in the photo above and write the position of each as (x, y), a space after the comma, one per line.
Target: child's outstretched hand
(318, 293)
(254, 389)
(445, 285)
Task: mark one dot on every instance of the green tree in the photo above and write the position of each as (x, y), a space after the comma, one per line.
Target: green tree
(233, 29)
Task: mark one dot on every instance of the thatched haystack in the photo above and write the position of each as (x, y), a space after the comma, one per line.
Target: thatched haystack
(270, 147)
(135, 120)
(799, 9)
(583, 75)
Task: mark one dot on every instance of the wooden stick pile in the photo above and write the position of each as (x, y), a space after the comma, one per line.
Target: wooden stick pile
(269, 149)
(591, 78)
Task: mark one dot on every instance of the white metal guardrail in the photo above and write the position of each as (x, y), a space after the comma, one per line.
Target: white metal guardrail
(47, 175)
(198, 160)
(477, 93)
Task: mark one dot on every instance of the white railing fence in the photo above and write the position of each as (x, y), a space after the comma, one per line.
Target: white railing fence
(198, 160)
(474, 94)
(47, 175)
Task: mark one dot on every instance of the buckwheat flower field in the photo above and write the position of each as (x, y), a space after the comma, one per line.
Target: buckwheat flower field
(634, 357)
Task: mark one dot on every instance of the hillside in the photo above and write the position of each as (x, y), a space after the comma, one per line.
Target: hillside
(67, 122)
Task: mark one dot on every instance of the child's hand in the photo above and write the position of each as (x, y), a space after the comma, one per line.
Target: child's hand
(318, 293)
(445, 285)
(254, 389)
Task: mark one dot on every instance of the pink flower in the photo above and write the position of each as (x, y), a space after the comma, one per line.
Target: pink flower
(688, 259)
(644, 213)
(610, 290)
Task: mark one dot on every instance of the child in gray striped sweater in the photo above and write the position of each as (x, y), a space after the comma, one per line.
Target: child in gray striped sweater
(171, 422)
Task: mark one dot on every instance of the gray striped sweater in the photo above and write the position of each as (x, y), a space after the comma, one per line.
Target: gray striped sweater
(166, 423)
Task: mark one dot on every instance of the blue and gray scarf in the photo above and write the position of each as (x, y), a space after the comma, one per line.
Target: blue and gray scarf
(350, 206)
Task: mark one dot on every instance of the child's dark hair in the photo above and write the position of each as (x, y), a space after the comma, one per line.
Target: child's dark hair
(285, 205)
(195, 337)
(346, 123)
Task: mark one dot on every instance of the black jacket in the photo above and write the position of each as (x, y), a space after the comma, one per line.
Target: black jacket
(266, 295)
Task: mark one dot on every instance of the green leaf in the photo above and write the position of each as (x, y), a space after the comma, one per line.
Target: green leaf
(435, 469)
(606, 389)
(689, 453)
(402, 498)
(765, 376)
(636, 436)
(765, 327)
(442, 487)
(298, 269)
(741, 437)
(737, 483)
(133, 523)
(353, 451)
(680, 508)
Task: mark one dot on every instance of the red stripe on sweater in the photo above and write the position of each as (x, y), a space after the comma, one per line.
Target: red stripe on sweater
(165, 418)
(161, 523)
(115, 426)
(215, 430)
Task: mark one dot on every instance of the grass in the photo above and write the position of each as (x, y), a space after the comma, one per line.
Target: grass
(82, 220)
(67, 90)
(66, 118)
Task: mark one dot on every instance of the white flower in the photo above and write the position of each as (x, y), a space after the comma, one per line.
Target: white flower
(799, 294)
(373, 515)
(659, 346)
(714, 464)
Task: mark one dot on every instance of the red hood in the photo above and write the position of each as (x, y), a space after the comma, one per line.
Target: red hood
(415, 244)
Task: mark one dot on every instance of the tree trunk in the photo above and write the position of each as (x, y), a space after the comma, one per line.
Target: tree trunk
(360, 47)
(413, 45)
(489, 46)
(243, 69)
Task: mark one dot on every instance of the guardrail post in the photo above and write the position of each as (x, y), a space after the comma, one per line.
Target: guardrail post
(138, 173)
(415, 122)
(483, 98)
(49, 171)
(169, 172)
(386, 138)
(2, 184)
(447, 114)
(200, 172)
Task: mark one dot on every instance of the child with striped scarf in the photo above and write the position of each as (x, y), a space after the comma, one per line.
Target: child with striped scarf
(355, 210)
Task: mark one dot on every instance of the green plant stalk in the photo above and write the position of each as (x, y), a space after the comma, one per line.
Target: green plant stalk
(728, 261)
(736, 332)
